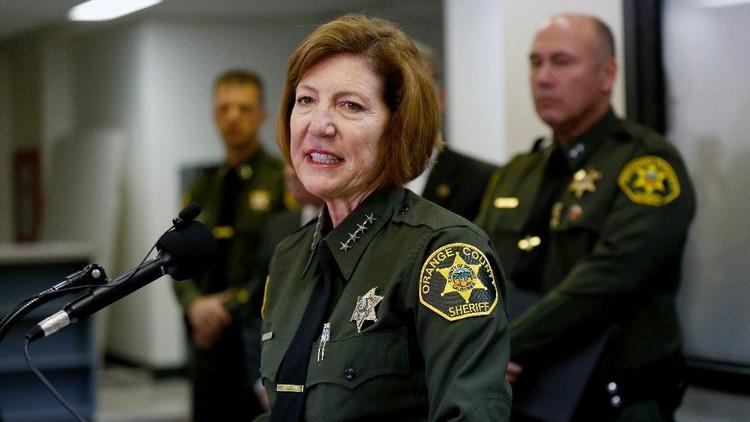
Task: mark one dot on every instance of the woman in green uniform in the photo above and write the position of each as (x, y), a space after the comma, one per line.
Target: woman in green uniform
(386, 306)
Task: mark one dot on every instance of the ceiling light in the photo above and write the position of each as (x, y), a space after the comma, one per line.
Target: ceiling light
(721, 3)
(102, 10)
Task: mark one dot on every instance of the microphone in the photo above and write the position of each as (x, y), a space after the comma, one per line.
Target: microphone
(183, 253)
(187, 215)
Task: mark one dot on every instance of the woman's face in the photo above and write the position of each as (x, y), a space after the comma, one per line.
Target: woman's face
(337, 126)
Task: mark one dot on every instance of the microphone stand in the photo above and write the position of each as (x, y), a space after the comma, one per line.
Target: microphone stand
(91, 275)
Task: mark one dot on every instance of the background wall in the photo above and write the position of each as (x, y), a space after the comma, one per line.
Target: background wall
(706, 61)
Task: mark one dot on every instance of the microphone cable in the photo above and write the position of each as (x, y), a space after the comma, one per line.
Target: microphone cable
(47, 384)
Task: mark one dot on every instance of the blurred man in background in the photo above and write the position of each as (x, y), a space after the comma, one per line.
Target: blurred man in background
(595, 220)
(237, 197)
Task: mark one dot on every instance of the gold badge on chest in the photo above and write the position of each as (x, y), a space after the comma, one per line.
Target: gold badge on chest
(584, 180)
(364, 309)
(259, 200)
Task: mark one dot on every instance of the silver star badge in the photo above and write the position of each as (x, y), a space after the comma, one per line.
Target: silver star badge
(344, 246)
(364, 310)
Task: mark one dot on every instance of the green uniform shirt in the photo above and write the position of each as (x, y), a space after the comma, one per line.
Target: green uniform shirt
(260, 193)
(435, 344)
(616, 236)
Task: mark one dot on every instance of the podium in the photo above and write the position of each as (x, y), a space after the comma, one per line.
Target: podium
(68, 358)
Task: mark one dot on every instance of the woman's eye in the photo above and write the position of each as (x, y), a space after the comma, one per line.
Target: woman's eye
(352, 106)
(304, 100)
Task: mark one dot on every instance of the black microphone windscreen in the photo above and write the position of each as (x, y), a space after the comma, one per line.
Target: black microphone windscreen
(191, 250)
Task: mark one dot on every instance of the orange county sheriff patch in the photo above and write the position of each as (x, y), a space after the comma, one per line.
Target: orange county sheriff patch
(457, 282)
(649, 180)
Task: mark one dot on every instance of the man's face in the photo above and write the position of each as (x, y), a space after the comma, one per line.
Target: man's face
(239, 113)
(569, 78)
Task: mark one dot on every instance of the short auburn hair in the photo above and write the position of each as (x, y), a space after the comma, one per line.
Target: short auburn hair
(409, 91)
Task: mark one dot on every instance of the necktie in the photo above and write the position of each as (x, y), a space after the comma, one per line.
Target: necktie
(289, 405)
(226, 216)
(529, 270)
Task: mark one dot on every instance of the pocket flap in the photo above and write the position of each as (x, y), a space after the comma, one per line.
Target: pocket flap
(350, 362)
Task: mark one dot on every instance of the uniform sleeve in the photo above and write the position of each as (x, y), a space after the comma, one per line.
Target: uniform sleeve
(463, 337)
(187, 291)
(621, 268)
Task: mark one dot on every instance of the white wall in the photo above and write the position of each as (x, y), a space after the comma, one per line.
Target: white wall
(706, 64)
(490, 112)
(475, 67)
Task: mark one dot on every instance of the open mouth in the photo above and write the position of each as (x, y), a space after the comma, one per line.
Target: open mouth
(323, 158)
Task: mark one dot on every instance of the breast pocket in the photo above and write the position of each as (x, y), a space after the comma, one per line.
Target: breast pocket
(575, 237)
(361, 376)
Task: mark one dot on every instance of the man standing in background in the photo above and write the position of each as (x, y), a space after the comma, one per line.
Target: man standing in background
(595, 220)
(237, 197)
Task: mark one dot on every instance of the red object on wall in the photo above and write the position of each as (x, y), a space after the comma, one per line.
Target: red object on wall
(27, 195)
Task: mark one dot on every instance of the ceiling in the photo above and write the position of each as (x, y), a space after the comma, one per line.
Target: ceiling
(18, 17)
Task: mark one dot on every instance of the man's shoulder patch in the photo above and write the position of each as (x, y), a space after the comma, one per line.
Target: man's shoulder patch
(457, 282)
(649, 180)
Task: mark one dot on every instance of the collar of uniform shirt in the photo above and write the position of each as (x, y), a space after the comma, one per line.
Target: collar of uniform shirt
(360, 227)
(580, 149)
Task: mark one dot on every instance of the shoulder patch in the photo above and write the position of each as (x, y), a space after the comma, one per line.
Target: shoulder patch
(457, 282)
(649, 180)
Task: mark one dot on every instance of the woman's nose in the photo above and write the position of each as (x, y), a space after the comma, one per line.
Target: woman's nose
(322, 124)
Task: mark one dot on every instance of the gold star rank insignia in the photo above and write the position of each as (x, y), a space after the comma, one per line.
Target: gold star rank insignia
(259, 200)
(649, 180)
(457, 282)
(584, 180)
(364, 310)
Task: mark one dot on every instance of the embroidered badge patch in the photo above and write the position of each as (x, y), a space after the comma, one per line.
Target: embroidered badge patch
(649, 180)
(457, 282)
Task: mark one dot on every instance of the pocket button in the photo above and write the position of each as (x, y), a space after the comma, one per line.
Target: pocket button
(350, 374)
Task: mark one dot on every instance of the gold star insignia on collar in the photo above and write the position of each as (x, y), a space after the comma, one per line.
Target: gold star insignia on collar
(584, 180)
(364, 310)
